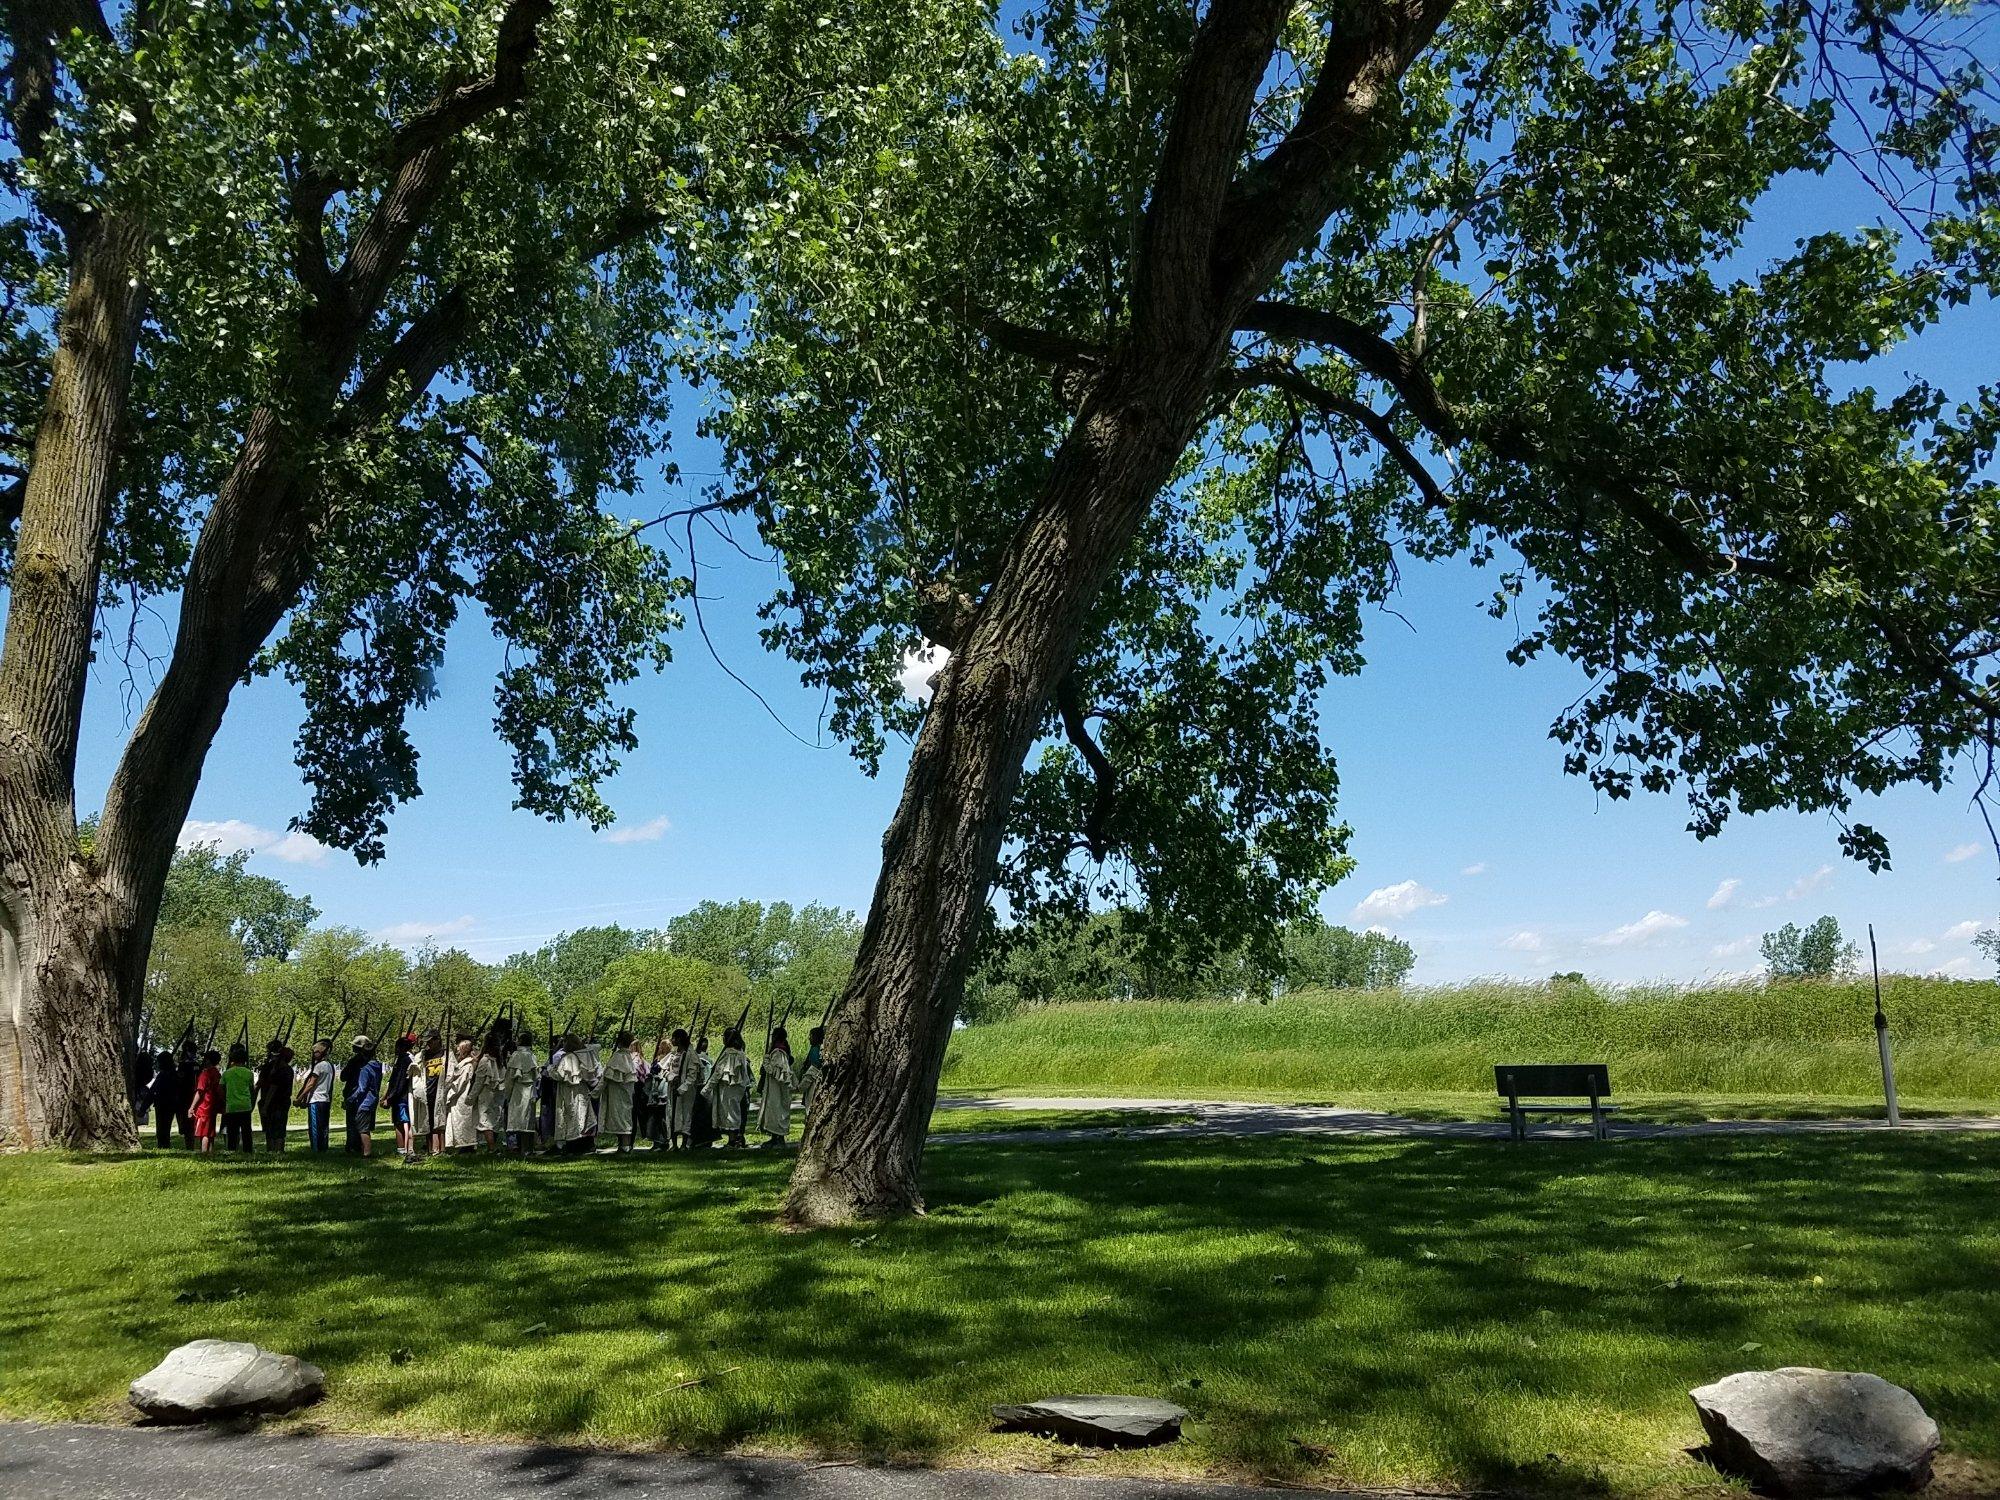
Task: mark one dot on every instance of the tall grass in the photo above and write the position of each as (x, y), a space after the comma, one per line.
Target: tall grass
(1783, 1038)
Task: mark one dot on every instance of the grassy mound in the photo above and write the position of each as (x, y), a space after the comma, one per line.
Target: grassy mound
(1459, 1314)
(1798, 1039)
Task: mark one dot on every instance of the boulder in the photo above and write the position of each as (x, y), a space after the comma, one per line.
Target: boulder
(1103, 1421)
(211, 1379)
(1804, 1432)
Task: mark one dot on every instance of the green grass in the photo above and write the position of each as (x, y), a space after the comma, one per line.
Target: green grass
(1439, 1313)
(1803, 1041)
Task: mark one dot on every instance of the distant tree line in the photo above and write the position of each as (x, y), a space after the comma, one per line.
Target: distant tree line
(238, 951)
(1113, 956)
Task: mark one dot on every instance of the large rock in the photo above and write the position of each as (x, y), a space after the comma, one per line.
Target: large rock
(213, 1378)
(1105, 1421)
(1804, 1432)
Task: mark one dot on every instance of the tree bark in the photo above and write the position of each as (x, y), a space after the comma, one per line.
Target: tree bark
(52, 970)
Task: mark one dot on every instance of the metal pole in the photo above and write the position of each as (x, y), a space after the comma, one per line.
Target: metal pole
(1882, 1034)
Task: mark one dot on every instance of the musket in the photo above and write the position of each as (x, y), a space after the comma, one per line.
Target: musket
(770, 1021)
(742, 1018)
(187, 1036)
(213, 1027)
(827, 1014)
(626, 1019)
(243, 1033)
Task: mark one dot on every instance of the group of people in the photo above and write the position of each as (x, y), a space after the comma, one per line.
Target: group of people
(490, 1093)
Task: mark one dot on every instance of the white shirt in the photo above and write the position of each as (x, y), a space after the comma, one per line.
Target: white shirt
(322, 1072)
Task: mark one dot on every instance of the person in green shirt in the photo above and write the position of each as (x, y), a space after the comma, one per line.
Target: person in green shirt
(239, 1097)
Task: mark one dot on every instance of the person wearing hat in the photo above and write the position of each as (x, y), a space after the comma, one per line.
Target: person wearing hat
(362, 1094)
(316, 1093)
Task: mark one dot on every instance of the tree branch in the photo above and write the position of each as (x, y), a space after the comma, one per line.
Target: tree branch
(37, 29)
(418, 151)
(1401, 371)
(1328, 403)
(1097, 822)
(1279, 203)
(1175, 271)
(1061, 350)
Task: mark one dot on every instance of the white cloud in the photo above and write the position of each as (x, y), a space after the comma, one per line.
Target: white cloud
(1960, 853)
(1919, 945)
(1398, 900)
(1524, 942)
(919, 667)
(1475, 869)
(1724, 894)
(1735, 946)
(1645, 930)
(649, 832)
(297, 848)
(1962, 933)
(405, 934)
(232, 834)
(1805, 885)
(1954, 968)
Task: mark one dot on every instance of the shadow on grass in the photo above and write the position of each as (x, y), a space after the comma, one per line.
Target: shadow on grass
(1446, 1312)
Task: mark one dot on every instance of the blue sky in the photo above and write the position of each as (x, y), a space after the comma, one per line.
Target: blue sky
(1469, 840)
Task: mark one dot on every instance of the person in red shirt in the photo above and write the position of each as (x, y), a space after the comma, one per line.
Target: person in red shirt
(205, 1105)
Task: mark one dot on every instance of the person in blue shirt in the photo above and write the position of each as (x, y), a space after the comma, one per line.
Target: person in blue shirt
(363, 1094)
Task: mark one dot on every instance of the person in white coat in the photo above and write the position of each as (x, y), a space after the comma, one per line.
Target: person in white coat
(457, 1098)
(424, 1085)
(728, 1088)
(489, 1091)
(615, 1094)
(684, 1081)
(522, 1072)
(774, 1090)
(814, 1069)
(575, 1075)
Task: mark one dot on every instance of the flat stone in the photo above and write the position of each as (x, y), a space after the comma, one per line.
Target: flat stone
(1804, 1432)
(211, 1379)
(1104, 1421)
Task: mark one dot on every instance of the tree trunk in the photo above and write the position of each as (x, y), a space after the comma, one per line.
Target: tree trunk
(864, 1140)
(71, 1026)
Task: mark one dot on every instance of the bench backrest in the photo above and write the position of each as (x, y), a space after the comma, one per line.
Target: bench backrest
(1553, 1080)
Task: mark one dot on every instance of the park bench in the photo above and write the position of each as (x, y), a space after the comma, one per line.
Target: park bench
(1522, 1082)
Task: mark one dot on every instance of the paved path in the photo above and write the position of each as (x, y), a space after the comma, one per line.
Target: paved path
(186, 1463)
(1248, 1118)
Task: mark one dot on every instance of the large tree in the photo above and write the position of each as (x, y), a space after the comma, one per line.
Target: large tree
(1129, 361)
(324, 321)
(207, 888)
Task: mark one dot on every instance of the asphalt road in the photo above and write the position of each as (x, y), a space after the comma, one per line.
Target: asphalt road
(201, 1463)
(1243, 1118)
